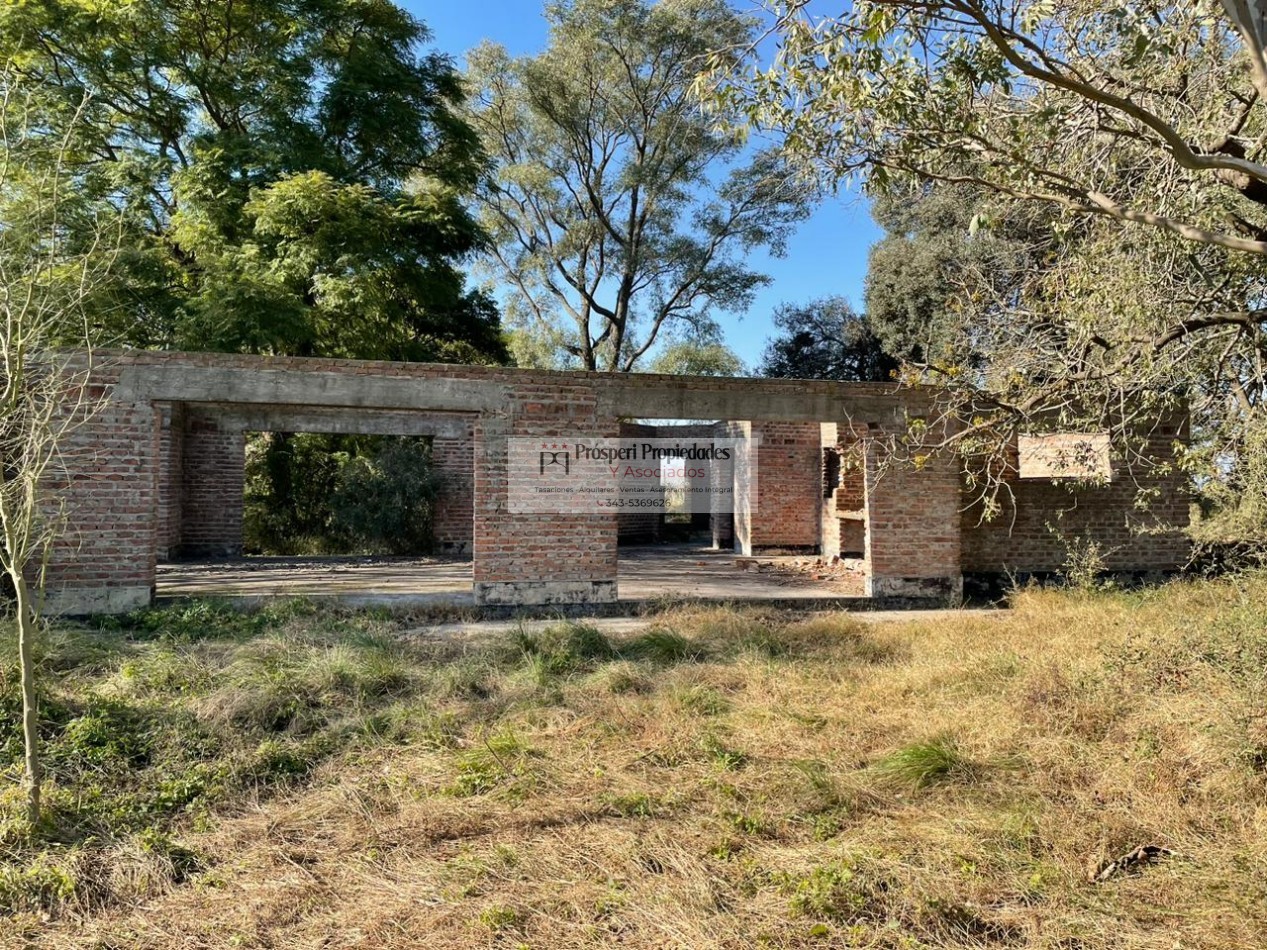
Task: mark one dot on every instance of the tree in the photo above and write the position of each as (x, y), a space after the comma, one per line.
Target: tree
(935, 276)
(297, 170)
(704, 357)
(826, 339)
(1135, 130)
(48, 274)
(616, 200)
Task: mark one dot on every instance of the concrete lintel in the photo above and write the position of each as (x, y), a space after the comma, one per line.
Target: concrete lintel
(78, 601)
(287, 387)
(339, 420)
(635, 398)
(536, 593)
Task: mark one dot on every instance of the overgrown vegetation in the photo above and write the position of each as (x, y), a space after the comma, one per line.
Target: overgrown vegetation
(312, 493)
(723, 777)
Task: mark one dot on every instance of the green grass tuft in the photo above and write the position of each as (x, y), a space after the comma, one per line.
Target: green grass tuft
(922, 764)
(664, 646)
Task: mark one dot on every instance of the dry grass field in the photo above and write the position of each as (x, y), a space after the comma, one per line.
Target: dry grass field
(726, 778)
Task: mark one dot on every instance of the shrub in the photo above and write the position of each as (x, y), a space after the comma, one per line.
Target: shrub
(383, 502)
(310, 493)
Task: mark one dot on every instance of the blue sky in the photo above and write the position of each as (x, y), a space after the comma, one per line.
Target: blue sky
(827, 255)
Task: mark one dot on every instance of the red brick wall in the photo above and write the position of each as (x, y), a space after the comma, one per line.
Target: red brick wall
(106, 490)
(454, 521)
(201, 473)
(523, 551)
(917, 531)
(789, 485)
(638, 525)
(1039, 517)
(912, 515)
(170, 477)
(851, 495)
(213, 460)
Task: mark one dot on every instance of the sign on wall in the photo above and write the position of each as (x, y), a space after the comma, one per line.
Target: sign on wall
(1080, 455)
(578, 474)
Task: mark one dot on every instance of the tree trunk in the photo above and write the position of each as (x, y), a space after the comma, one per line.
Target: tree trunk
(26, 660)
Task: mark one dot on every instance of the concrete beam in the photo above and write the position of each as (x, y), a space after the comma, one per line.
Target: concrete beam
(80, 601)
(344, 421)
(280, 387)
(538, 593)
(632, 397)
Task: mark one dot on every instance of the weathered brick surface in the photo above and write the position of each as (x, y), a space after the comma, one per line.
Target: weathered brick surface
(202, 452)
(1041, 517)
(913, 525)
(107, 488)
(454, 463)
(170, 477)
(517, 553)
(789, 485)
(644, 524)
(213, 461)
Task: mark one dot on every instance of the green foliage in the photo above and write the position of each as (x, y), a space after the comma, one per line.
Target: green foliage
(294, 173)
(1084, 565)
(566, 647)
(619, 208)
(690, 358)
(838, 892)
(308, 493)
(635, 805)
(499, 917)
(181, 860)
(922, 764)
(496, 760)
(1234, 489)
(1043, 277)
(41, 884)
(664, 646)
(385, 501)
(934, 276)
(704, 701)
(826, 339)
(723, 756)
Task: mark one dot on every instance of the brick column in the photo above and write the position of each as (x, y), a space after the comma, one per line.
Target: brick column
(913, 544)
(213, 470)
(789, 485)
(107, 493)
(828, 519)
(721, 506)
(454, 520)
(171, 444)
(539, 558)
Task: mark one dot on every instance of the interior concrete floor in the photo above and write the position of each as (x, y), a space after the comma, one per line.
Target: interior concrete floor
(646, 572)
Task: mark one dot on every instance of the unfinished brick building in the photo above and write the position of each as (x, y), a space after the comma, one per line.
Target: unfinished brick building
(158, 473)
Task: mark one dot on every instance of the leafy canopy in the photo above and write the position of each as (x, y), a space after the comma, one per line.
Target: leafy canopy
(826, 339)
(619, 209)
(296, 170)
(1135, 134)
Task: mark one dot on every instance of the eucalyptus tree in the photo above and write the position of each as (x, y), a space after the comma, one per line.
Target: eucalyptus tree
(1136, 133)
(620, 208)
